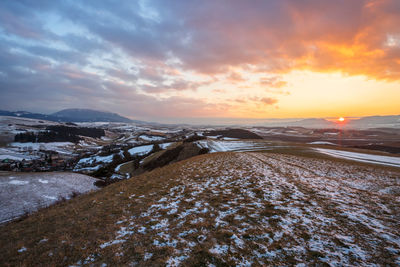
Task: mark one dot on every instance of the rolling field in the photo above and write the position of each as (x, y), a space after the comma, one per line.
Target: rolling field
(245, 209)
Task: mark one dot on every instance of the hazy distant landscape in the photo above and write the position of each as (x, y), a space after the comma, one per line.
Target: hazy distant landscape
(258, 191)
(200, 133)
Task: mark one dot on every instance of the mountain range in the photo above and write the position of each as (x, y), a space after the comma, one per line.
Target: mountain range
(72, 115)
(361, 123)
(89, 115)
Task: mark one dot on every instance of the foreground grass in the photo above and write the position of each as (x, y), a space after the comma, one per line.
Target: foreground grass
(221, 209)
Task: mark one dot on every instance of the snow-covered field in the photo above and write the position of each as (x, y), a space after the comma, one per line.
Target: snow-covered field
(362, 157)
(11, 121)
(151, 138)
(322, 143)
(26, 192)
(95, 159)
(230, 145)
(140, 150)
(13, 154)
(59, 147)
(92, 163)
(248, 209)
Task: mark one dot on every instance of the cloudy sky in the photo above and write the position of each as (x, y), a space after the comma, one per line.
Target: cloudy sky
(168, 60)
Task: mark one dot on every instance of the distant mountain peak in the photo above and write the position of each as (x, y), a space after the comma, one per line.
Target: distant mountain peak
(83, 110)
(89, 115)
(72, 115)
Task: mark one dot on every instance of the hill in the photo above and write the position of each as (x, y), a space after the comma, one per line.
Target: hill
(313, 123)
(72, 115)
(233, 133)
(222, 209)
(29, 115)
(361, 123)
(376, 122)
(89, 115)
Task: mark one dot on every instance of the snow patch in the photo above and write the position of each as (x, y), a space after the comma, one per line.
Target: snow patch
(140, 150)
(18, 182)
(23, 249)
(110, 243)
(362, 157)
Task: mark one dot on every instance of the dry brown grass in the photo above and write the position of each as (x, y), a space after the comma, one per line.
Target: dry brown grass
(223, 199)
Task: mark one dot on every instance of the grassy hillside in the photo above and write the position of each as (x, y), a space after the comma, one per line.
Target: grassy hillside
(222, 209)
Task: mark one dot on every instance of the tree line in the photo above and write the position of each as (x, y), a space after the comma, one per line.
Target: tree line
(59, 134)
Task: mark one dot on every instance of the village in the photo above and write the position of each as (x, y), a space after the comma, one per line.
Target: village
(40, 161)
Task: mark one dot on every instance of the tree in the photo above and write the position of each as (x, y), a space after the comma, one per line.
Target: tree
(156, 148)
(116, 159)
(126, 154)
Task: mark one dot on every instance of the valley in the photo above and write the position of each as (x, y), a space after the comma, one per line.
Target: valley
(197, 195)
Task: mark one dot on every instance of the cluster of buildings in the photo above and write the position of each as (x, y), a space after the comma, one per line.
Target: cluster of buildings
(45, 161)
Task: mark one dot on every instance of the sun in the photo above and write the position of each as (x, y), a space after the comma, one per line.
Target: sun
(341, 119)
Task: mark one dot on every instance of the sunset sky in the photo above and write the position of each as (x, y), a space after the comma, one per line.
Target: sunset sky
(168, 60)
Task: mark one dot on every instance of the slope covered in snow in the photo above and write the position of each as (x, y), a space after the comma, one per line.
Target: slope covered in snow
(140, 150)
(224, 209)
(362, 157)
(235, 145)
(27, 192)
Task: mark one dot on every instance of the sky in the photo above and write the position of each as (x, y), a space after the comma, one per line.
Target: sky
(193, 60)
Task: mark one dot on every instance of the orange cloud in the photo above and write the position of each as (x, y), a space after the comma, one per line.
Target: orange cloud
(346, 36)
(274, 82)
(235, 77)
